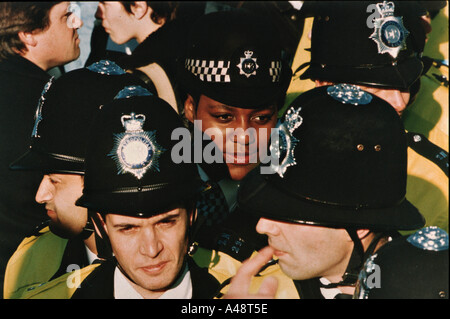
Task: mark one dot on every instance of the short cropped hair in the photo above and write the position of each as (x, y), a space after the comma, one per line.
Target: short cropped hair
(18, 17)
(163, 11)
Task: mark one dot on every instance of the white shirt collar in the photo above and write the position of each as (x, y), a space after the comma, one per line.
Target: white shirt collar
(90, 255)
(181, 289)
(328, 293)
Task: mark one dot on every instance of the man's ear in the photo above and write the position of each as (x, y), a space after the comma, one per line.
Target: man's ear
(193, 216)
(362, 233)
(322, 83)
(189, 108)
(139, 9)
(27, 38)
(103, 224)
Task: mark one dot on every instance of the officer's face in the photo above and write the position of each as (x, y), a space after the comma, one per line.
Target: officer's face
(118, 23)
(150, 250)
(397, 98)
(307, 251)
(59, 193)
(59, 43)
(242, 131)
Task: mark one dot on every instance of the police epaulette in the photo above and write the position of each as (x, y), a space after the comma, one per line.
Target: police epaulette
(37, 230)
(429, 150)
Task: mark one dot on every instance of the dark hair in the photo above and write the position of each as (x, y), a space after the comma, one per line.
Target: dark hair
(18, 17)
(163, 11)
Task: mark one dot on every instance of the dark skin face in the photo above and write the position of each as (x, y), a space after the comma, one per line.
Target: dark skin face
(240, 150)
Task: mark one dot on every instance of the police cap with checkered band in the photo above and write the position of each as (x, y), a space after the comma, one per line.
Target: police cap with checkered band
(235, 57)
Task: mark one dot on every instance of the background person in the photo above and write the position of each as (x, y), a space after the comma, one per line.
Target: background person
(34, 37)
(57, 150)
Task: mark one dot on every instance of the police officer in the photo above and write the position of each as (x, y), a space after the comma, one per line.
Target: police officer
(382, 56)
(57, 150)
(235, 79)
(337, 193)
(409, 267)
(142, 204)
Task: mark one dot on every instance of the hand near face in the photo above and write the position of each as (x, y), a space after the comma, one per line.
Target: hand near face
(240, 284)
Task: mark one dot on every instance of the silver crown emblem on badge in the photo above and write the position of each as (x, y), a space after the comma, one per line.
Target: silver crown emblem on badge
(389, 34)
(248, 65)
(386, 8)
(133, 122)
(135, 151)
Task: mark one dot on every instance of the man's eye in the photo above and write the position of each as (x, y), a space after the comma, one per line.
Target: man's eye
(169, 221)
(127, 228)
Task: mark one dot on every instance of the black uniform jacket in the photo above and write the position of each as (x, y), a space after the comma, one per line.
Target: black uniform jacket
(21, 85)
(100, 283)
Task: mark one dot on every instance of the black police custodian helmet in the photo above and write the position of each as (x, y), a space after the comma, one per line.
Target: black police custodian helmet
(64, 115)
(235, 58)
(409, 267)
(129, 168)
(346, 47)
(343, 160)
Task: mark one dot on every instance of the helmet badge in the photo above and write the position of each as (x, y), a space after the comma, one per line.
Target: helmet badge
(389, 34)
(135, 151)
(283, 147)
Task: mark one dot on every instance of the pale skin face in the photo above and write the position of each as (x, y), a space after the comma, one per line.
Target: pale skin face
(303, 252)
(240, 150)
(151, 251)
(297, 247)
(59, 192)
(121, 25)
(398, 99)
(56, 45)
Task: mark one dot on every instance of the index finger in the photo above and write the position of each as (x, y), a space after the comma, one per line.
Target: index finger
(249, 268)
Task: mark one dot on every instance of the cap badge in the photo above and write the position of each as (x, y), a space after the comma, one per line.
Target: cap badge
(38, 115)
(349, 94)
(136, 150)
(283, 146)
(389, 34)
(106, 67)
(248, 65)
(130, 91)
(429, 238)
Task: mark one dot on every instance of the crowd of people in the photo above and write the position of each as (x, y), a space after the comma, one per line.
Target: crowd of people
(316, 167)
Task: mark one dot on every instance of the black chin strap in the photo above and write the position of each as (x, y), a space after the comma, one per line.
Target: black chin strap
(104, 250)
(357, 259)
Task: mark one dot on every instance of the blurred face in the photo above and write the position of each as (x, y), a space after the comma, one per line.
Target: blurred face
(242, 131)
(150, 250)
(59, 42)
(398, 99)
(59, 193)
(307, 251)
(118, 23)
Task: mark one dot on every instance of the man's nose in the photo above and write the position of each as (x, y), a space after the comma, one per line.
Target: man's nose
(44, 193)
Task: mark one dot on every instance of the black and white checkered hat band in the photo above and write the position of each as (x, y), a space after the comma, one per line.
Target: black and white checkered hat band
(275, 70)
(209, 71)
(218, 71)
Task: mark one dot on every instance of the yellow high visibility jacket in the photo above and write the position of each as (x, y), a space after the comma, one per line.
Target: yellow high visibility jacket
(34, 262)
